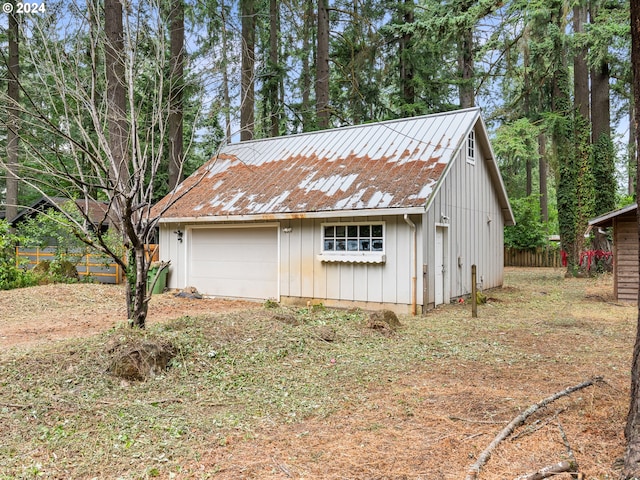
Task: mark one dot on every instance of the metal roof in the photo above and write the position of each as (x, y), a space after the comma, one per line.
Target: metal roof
(391, 166)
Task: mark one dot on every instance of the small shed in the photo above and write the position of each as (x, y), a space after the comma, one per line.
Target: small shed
(97, 212)
(388, 214)
(625, 250)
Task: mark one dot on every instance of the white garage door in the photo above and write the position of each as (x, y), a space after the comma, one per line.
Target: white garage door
(234, 262)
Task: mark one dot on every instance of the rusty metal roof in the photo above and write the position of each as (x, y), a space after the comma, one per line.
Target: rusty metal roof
(385, 165)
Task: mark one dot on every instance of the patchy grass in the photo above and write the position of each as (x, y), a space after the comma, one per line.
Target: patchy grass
(251, 396)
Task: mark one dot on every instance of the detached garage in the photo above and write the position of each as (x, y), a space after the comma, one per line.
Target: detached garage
(390, 214)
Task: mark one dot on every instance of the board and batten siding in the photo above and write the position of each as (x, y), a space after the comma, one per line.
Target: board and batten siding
(173, 250)
(304, 277)
(625, 259)
(474, 227)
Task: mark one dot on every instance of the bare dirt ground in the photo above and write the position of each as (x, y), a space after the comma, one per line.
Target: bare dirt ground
(29, 316)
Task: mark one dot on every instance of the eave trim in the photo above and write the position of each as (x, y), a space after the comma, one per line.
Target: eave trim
(296, 215)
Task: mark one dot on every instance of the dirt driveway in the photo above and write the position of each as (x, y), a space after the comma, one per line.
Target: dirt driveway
(60, 311)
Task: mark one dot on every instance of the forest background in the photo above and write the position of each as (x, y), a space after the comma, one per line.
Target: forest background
(116, 101)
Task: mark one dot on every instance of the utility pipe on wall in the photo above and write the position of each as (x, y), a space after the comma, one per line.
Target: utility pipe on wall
(414, 267)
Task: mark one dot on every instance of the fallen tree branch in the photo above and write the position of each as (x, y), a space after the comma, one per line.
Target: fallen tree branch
(472, 474)
(535, 426)
(549, 471)
(565, 440)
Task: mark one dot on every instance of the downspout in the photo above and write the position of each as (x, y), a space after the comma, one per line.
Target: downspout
(414, 267)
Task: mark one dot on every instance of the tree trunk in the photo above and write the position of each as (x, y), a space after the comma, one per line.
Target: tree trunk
(406, 64)
(580, 68)
(13, 119)
(274, 76)
(542, 167)
(226, 98)
(176, 21)
(139, 304)
(322, 65)
(118, 135)
(600, 102)
(305, 76)
(633, 159)
(631, 468)
(465, 63)
(116, 99)
(247, 97)
(603, 149)
(563, 141)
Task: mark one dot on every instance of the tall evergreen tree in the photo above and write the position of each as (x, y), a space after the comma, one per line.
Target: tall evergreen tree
(247, 96)
(273, 74)
(176, 82)
(322, 65)
(603, 152)
(466, 57)
(405, 53)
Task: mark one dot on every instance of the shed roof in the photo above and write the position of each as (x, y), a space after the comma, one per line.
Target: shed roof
(606, 220)
(391, 167)
(97, 211)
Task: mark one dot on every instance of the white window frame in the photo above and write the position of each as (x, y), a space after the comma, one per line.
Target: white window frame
(471, 150)
(353, 256)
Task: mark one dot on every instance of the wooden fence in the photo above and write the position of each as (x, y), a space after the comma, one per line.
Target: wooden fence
(541, 257)
(96, 266)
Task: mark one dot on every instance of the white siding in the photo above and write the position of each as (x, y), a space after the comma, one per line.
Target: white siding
(305, 276)
(175, 251)
(468, 198)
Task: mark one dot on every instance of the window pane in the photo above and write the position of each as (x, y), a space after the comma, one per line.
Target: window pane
(328, 231)
(352, 245)
(328, 245)
(340, 231)
(365, 230)
(376, 245)
(341, 245)
(376, 230)
(352, 231)
(365, 245)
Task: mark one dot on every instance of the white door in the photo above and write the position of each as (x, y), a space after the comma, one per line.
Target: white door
(440, 265)
(234, 262)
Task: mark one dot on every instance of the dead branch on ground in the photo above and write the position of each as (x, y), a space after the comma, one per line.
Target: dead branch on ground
(472, 474)
(537, 425)
(549, 471)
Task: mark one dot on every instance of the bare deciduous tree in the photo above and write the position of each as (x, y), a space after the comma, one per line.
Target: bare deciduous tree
(13, 118)
(95, 119)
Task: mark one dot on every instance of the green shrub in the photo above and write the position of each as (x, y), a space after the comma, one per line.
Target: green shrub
(528, 232)
(11, 275)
